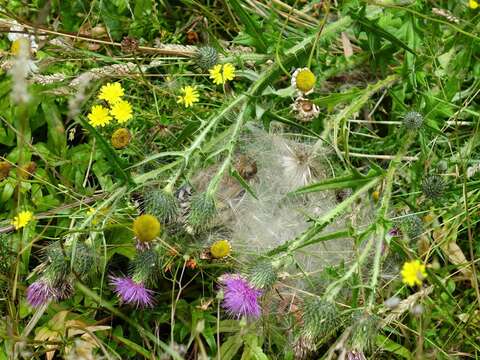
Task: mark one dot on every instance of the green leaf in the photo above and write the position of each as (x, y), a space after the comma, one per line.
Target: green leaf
(109, 152)
(251, 26)
(373, 28)
(391, 346)
(341, 182)
(231, 347)
(135, 347)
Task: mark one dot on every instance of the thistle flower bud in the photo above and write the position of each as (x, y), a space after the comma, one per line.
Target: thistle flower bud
(320, 319)
(413, 120)
(57, 262)
(83, 259)
(364, 332)
(202, 211)
(145, 266)
(263, 275)
(433, 187)
(206, 57)
(162, 204)
(146, 228)
(412, 226)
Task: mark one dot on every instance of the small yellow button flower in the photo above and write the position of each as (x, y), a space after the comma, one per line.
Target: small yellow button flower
(122, 111)
(99, 116)
(220, 74)
(303, 80)
(22, 219)
(220, 249)
(146, 228)
(190, 96)
(472, 4)
(413, 273)
(111, 92)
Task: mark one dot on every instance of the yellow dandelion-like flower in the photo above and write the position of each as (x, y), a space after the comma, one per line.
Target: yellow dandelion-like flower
(190, 96)
(220, 74)
(220, 249)
(472, 4)
(111, 92)
(122, 111)
(303, 80)
(413, 273)
(146, 228)
(99, 116)
(22, 219)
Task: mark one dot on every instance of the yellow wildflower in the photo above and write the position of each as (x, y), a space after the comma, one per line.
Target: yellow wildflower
(146, 228)
(99, 116)
(111, 92)
(413, 273)
(22, 219)
(220, 74)
(472, 4)
(220, 249)
(303, 80)
(190, 96)
(122, 111)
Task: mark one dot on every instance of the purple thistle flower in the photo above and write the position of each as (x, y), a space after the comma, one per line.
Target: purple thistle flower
(240, 297)
(132, 292)
(39, 293)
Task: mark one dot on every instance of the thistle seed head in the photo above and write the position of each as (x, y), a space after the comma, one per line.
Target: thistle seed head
(206, 57)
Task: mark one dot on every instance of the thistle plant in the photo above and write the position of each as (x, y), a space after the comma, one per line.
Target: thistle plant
(206, 57)
(412, 226)
(433, 187)
(363, 332)
(413, 120)
(162, 203)
(145, 266)
(321, 319)
(263, 274)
